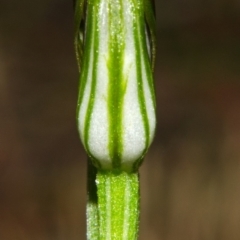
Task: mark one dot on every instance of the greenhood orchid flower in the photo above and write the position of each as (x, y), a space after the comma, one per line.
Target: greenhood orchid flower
(115, 48)
(116, 104)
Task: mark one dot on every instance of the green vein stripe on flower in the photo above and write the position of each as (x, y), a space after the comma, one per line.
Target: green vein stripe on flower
(116, 106)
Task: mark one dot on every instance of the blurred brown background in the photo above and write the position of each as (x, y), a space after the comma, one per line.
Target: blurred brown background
(190, 180)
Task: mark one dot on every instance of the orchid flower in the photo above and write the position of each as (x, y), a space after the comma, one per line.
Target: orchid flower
(115, 48)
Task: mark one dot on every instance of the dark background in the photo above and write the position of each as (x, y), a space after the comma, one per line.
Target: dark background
(190, 180)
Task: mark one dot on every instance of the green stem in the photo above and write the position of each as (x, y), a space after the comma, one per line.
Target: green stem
(92, 204)
(118, 205)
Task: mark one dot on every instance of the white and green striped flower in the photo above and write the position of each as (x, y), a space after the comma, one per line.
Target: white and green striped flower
(115, 46)
(116, 105)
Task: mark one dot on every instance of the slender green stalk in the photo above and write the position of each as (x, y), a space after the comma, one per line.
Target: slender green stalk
(118, 196)
(92, 204)
(113, 205)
